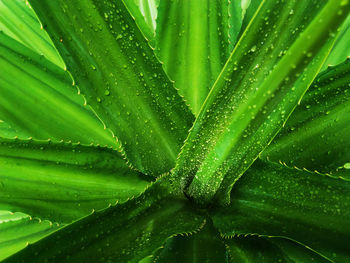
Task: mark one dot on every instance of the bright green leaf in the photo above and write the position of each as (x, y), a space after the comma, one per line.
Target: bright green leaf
(63, 182)
(121, 78)
(20, 230)
(6, 131)
(38, 99)
(18, 21)
(317, 136)
(266, 75)
(341, 48)
(273, 200)
(252, 249)
(145, 13)
(126, 232)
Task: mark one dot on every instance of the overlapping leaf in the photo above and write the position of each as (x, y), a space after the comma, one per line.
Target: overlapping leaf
(18, 21)
(194, 40)
(316, 137)
(277, 201)
(270, 69)
(145, 14)
(38, 99)
(63, 182)
(201, 247)
(17, 230)
(340, 50)
(123, 233)
(123, 81)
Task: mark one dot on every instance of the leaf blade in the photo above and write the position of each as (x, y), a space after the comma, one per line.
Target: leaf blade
(251, 249)
(21, 230)
(50, 106)
(273, 200)
(111, 61)
(63, 182)
(144, 223)
(315, 137)
(236, 124)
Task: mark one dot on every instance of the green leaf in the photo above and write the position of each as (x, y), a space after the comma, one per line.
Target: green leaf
(270, 69)
(123, 81)
(18, 230)
(38, 99)
(249, 8)
(126, 232)
(63, 182)
(193, 40)
(204, 246)
(251, 249)
(273, 200)
(18, 21)
(316, 136)
(6, 131)
(340, 50)
(145, 14)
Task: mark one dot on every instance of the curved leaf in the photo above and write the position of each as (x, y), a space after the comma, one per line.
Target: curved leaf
(316, 136)
(18, 21)
(253, 249)
(16, 233)
(340, 50)
(277, 201)
(63, 182)
(38, 99)
(113, 65)
(257, 90)
(126, 232)
(145, 14)
(202, 247)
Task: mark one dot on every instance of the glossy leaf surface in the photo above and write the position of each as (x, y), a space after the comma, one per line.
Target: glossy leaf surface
(145, 14)
(277, 201)
(19, 229)
(18, 21)
(341, 48)
(257, 90)
(194, 39)
(316, 136)
(63, 182)
(123, 233)
(38, 99)
(121, 78)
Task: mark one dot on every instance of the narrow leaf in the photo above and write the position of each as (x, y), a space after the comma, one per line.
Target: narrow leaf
(38, 99)
(63, 182)
(17, 233)
(193, 40)
(123, 81)
(340, 50)
(253, 249)
(123, 233)
(145, 14)
(270, 69)
(316, 136)
(18, 21)
(273, 200)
